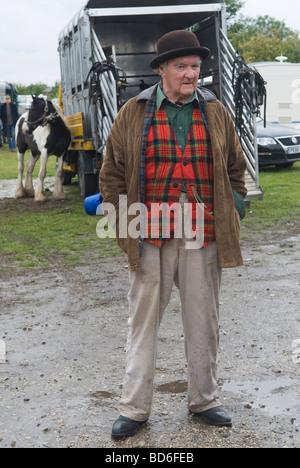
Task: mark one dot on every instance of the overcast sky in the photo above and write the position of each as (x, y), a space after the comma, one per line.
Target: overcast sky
(29, 33)
(287, 10)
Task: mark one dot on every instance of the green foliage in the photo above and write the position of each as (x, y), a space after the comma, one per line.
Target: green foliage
(34, 89)
(263, 39)
(55, 90)
(37, 89)
(233, 7)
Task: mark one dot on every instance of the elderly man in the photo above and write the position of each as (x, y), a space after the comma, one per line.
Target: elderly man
(175, 144)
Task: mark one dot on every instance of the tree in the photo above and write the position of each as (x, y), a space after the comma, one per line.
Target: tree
(21, 88)
(55, 90)
(263, 39)
(37, 89)
(233, 7)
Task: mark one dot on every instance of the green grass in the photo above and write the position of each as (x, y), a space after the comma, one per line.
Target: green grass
(44, 234)
(280, 208)
(64, 235)
(36, 235)
(9, 165)
(52, 233)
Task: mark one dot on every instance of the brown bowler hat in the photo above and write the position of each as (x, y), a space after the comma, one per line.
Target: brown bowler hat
(178, 44)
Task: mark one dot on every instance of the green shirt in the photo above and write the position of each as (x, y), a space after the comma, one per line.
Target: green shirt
(180, 117)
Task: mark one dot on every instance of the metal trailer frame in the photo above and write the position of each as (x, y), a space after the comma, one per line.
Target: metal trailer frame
(126, 34)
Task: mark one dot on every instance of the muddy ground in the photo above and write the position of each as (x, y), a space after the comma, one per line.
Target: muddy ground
(65, 331)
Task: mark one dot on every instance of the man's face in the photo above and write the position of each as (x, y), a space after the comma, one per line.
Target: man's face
(180, 77)
(7, 100)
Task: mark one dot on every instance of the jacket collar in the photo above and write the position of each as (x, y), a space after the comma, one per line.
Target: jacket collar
(204, 94)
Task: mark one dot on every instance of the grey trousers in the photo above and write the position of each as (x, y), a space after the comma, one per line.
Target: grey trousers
(197, 274)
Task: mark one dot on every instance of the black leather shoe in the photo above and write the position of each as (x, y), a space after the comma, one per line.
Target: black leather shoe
(215, 417)
(125, 427)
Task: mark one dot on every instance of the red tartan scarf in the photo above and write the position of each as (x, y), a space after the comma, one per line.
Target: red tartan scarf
(167, 167)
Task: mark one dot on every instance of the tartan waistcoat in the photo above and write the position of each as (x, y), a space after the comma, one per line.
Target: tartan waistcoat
(166, 166)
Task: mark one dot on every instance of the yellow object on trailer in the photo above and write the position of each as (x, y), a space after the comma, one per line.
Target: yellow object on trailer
(78, 142)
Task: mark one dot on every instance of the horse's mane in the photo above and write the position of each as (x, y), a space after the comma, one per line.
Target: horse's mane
(61, 114)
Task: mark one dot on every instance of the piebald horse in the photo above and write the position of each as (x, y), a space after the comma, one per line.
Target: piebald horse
(45, 132)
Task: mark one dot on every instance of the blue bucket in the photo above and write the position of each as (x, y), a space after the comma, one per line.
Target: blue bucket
(93, 206)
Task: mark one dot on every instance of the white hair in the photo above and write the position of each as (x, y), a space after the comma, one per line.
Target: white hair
(164, 65)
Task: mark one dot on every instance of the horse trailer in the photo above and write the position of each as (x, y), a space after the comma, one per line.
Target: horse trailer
(104, 58)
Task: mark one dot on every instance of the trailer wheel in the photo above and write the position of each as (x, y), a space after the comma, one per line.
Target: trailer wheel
(87, 181)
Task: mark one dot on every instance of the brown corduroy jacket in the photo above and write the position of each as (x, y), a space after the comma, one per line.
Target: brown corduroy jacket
(120, 173)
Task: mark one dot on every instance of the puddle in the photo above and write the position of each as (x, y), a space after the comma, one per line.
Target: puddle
(103, 398)
(8, 187)
(99, 395)
(179, 386)
(274, 396)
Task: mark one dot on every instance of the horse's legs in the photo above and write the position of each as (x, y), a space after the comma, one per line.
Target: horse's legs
(20, 192)
(39, 191)
(58, 192)
(29, 190)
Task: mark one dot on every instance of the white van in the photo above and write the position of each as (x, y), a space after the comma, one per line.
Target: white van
(283, 91)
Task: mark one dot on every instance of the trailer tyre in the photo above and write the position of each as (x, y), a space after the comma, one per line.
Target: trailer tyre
(87, 181)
